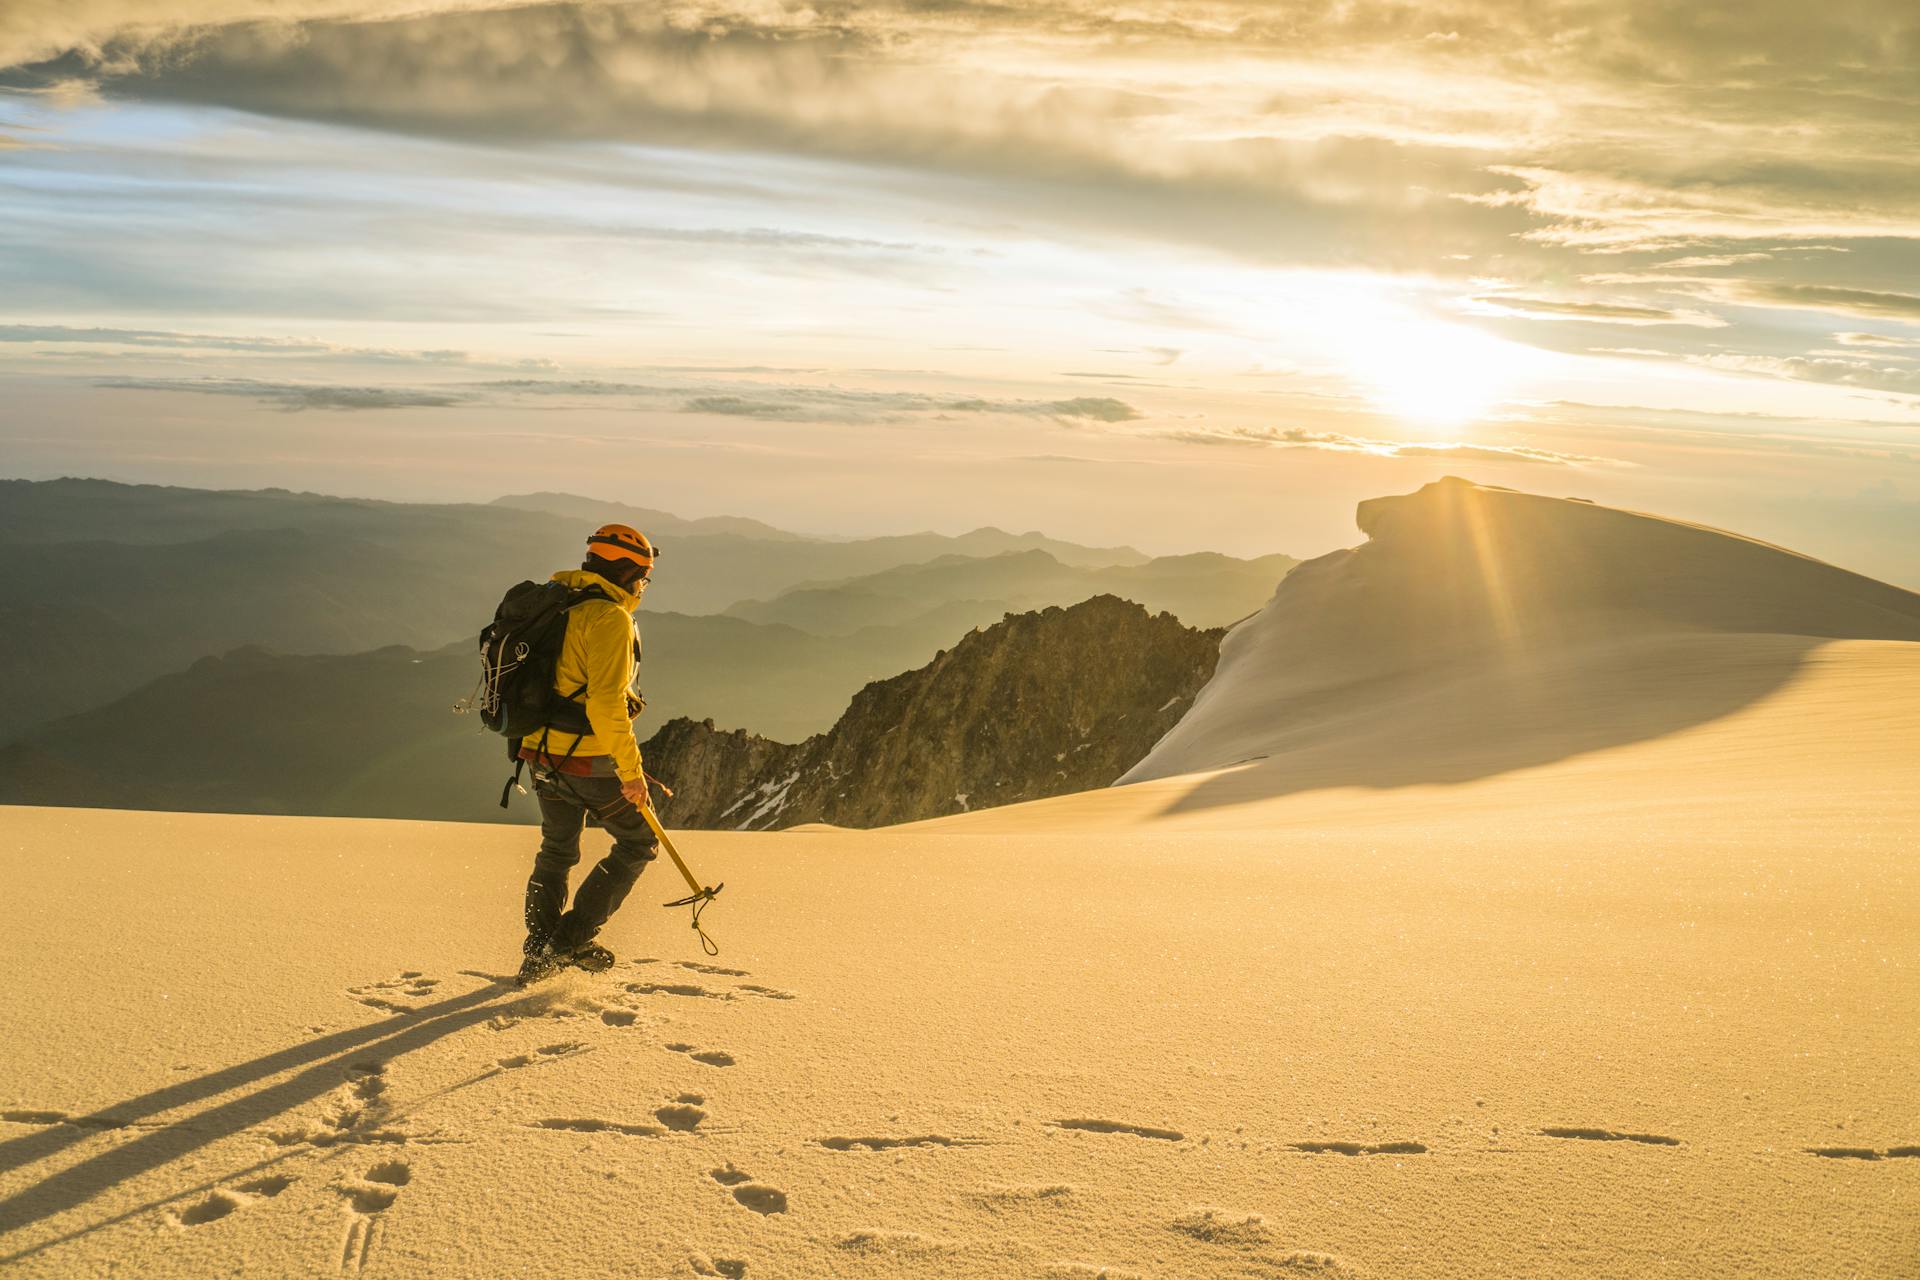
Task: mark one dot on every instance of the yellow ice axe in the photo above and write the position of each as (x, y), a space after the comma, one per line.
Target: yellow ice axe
(701, 894)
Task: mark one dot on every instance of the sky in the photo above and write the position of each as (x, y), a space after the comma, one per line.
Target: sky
(1179, 275)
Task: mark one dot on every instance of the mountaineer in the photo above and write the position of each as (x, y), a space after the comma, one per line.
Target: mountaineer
(584, 758)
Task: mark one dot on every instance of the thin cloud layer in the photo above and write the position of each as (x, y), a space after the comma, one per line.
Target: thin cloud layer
(1093, 408)
(1602, 312)
(788, 403)
(1868, 304)
(170, 340)
(1876, 340)
(1336, 442)
(1839, 370)
(294, 397)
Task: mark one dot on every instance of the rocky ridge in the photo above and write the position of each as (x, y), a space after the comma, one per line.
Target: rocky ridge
(1039, 704)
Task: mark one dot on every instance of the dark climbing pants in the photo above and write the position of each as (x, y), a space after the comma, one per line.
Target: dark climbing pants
(565, 803)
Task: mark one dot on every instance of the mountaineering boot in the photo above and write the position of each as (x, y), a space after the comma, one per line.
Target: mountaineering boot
(590, 956)
(537, 966)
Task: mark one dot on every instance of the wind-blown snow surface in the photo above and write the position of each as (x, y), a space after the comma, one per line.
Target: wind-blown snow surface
(1602, 959)
(1624, 1036)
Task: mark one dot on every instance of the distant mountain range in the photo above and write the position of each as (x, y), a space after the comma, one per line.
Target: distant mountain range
(1477, 631)
(1205, 590)
(658, 525)
(109, 586)
(1039, 703)
(270, 651)
(873, 553)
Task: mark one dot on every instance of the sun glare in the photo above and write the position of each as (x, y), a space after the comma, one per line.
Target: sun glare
(1433, 374)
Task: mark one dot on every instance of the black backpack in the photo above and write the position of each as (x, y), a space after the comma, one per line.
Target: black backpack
(519, 651)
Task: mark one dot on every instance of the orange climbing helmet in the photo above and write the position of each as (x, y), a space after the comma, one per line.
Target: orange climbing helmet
(623, 542)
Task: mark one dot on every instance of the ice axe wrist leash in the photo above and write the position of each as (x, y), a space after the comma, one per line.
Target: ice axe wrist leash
(701, 895)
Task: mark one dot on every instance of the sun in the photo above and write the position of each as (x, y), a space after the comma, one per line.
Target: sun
(1433, 374)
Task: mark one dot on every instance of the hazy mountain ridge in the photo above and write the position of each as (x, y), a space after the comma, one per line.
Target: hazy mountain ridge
(77, 509)
(372, 734)
(903, 548)
(108, 586)
(1040, 704)
(1203, 590)
(160, 606)
(661, 525)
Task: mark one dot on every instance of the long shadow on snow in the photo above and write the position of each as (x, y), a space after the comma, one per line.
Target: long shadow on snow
(329, 1057)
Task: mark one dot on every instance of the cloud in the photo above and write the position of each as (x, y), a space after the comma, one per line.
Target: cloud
(807, 404)
(1161, 356)
(1868, 303)
(1071, 460)
(294, 397)
(761, 401)
(1624, 210)
(1600, 312)
(1519, 139)
(1299, 438)
(571, 387)
(1350, 119)
(1580, 415)
(824, 404)
(31, 31)
(1874, 340)
(171, 340)
(1353, 106)
(1096, 408)
(1830, 369)
(1499, 453)
(738, 407)
(36, 333)
(1704, 261)
(957, 89)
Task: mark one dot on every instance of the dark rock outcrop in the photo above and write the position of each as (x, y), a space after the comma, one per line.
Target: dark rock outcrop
(1040, 704)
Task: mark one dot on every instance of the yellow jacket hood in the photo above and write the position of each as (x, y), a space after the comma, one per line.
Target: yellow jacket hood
(580, 578)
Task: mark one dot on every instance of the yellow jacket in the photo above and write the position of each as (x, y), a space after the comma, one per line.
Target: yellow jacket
(599, 652)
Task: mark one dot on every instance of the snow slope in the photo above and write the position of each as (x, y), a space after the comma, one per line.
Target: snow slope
(1436, 989)
(1540, 625)
(1397, 1046)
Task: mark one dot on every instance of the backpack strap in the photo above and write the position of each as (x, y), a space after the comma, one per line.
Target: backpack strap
(513, 780)
(572, 714)
(583, 594)
(568, 713)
